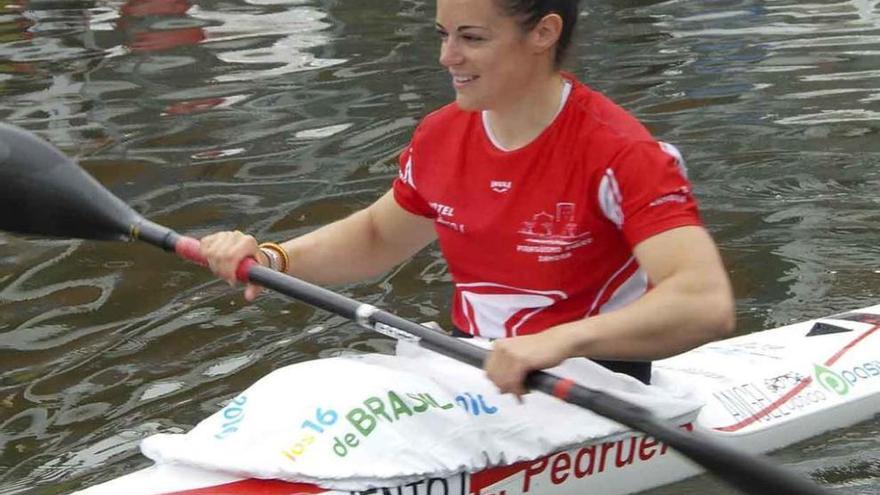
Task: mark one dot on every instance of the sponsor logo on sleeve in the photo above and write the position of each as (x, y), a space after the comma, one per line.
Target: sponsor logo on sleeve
(445, 215)
(679, 196)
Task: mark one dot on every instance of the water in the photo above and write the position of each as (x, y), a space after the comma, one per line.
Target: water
(275, 116)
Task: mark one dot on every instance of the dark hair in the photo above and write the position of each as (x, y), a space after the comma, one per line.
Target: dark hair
(530, 12)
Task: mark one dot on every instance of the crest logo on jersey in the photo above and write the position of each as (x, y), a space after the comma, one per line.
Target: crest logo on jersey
(553, 236)
(500, 186)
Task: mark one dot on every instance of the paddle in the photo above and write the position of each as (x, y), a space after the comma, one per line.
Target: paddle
(43, 192)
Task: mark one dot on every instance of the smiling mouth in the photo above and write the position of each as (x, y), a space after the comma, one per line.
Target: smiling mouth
(462, 80)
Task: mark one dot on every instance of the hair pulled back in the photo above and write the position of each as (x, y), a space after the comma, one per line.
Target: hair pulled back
(529, 12)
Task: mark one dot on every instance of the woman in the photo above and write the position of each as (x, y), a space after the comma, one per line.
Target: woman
(554, 208)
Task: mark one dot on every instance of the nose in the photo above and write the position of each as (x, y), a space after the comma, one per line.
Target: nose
(449, 53)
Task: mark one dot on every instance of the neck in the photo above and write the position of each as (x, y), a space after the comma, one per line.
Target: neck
(522, 118)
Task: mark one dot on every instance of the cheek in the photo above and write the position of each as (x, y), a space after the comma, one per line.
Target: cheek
(510, 59)
(510, 71)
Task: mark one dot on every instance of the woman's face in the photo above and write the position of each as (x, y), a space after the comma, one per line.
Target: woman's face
(486, 52)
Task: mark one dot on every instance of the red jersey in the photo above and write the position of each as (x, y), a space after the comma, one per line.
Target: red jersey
(543, 234)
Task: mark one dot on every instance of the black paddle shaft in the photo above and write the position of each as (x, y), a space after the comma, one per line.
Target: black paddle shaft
(43, 192)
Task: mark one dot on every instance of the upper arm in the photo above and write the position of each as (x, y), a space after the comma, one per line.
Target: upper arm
(689, 278)
(401, 232)
(686, 253)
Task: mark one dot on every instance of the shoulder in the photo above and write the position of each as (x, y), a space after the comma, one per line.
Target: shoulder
(605, 129)
(442, 132)
(446, 118)
(603, 113)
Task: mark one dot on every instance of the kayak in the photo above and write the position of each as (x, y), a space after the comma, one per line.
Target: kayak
(761, 392)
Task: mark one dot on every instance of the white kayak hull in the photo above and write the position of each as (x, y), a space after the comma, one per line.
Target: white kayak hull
(763, 391)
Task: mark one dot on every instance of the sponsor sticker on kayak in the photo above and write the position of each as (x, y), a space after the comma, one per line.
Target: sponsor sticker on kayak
(376, 412)
(380, 420)
(845, 379)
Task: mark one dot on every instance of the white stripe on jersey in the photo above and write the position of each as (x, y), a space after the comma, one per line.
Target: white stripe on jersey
(607, 283)
(406, 175)
(679, 159)
(610, 199)
(633, 288)
(490, 308)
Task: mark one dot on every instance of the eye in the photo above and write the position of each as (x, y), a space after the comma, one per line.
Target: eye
(442, 33)
(472, 37)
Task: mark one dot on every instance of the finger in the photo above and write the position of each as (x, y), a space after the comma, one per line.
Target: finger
(208, 249)
(492, 373)
(224, 252)
(206, 246)
(490, 367)
(521, 389)
(512, 380)
(504, 376)
(228, 261)
(517, 383)
(251, 292)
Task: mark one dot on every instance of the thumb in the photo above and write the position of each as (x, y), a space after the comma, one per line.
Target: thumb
(252, 291)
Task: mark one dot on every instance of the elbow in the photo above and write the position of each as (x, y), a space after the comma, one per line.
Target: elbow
(721, 323)
(715, 307)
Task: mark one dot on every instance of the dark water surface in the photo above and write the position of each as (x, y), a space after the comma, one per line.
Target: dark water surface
(275, 116)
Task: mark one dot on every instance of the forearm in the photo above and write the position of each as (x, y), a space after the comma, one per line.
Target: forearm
(691, 303)
(675, 316)
(362, 246)
(341, 252)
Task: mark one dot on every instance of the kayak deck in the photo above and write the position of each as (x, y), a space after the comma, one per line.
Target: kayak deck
(763, 391)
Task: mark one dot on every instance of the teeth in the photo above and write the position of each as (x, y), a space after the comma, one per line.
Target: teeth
(462, 79)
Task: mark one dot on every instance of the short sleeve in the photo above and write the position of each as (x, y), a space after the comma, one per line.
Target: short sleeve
(644, 191)
(405, 192)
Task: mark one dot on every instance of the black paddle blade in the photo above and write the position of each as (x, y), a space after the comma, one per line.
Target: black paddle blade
(45, 193)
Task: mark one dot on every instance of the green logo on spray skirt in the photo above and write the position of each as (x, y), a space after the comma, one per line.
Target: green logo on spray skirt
(831, 380)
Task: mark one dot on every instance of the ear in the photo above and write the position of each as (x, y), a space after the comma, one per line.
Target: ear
(546, 32)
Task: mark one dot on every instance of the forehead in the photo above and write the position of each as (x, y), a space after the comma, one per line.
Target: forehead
(484, 13)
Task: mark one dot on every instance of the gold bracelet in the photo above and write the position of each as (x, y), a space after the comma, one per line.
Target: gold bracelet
(285, 259)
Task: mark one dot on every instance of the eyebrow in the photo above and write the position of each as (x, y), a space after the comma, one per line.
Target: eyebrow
(460, 28)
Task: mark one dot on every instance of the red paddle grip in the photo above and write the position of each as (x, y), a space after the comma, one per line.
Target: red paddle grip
(188, 249)
(562, 387)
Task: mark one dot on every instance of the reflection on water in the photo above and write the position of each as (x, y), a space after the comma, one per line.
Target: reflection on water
(296, 30)
(276, 116)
